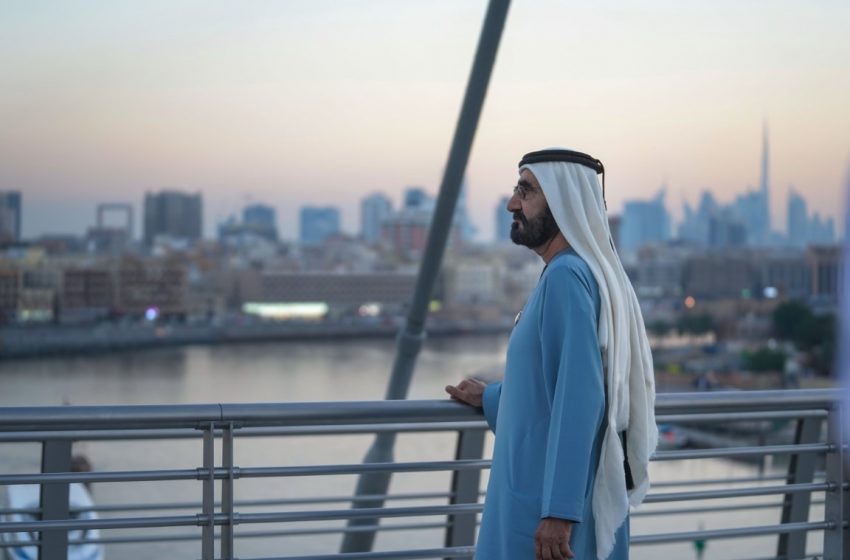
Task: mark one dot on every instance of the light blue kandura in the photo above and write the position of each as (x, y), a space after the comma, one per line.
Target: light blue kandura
(548, 414)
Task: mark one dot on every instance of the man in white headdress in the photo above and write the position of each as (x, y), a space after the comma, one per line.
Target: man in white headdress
(573, 437)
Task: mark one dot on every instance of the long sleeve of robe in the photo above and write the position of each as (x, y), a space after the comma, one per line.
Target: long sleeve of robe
(548, 415)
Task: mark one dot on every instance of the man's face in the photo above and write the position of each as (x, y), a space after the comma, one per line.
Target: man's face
(533, 223)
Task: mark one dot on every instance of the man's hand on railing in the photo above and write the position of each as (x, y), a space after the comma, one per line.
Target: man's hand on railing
(468, 391)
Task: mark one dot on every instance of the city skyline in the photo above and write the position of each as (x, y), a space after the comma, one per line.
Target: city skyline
(303, 103)
(796, 209)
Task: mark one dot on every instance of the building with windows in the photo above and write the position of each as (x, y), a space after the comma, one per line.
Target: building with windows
(644, 222)
(375, 209)
(318, 223)
(261, 220)
(174, 215)
(503, 221)
(10, 216)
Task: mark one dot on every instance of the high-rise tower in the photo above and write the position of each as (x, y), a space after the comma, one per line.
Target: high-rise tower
(765, 188)
(173, 214)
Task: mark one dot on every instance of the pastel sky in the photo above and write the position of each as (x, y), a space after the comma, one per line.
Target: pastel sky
(325, 101)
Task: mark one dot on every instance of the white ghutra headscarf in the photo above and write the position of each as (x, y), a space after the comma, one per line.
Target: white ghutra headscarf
(575, 199)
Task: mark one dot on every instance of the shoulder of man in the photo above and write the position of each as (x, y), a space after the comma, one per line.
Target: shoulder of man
(569, 267)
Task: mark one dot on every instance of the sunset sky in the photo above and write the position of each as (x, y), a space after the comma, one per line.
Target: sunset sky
(323, 102)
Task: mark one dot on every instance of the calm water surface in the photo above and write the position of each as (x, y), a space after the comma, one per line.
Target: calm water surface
(300, 371)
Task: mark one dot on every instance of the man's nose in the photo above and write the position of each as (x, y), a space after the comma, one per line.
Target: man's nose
(513, 204)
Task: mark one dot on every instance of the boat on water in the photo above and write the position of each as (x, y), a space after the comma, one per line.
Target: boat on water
(22, 500)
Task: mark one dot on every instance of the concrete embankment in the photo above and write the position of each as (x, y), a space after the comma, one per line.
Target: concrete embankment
(106, 337)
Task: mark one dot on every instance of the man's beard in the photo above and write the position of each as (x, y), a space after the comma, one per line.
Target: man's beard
(536, 231)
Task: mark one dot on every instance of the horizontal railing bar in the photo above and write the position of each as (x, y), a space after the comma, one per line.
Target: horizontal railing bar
(355, 468)
(815, 556)
(342, 529)
(729, 402)
(193, 433)
(65, 418)
(743, 451)
(104, 476)
(698, 482)
(740, 416)
(249, 472)
(732, 533)
(223, 519)
(103, 523)
(300, 414)
(243, 503)
(454, 552)
(327, 515)
(246, 534)
(713, 509)
(737, 492)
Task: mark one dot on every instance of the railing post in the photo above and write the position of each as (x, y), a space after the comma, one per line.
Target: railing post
(208, 495)
(836, 540)
(795, 507)
(227, 492)
(465, 489)
(55, 457)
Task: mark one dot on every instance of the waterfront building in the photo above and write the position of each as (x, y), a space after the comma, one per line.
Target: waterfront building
(10, 216)
(718, 275)
(644, 222)
(334, 288)
(785, 274)
(87, 294)
(318, 223)
(10, 288)
(472, 282)
(151, 287)
(36, 305)
(658, 272)
(110, 240)
(825, 266)
(107, 241)
(60, 244)
(374, 210)
(283, 294)
(503, 221)
(172, 215)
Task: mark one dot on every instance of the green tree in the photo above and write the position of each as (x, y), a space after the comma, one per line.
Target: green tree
(813, 334)
(764, 359)
(790, 320)
(695, 324)
(821, 339)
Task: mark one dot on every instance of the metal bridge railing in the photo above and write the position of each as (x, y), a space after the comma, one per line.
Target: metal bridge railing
(815, 474)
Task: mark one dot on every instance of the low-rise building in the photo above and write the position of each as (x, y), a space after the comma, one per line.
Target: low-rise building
(825, 267)
(10, 289)
(88, 294)
(157, 285)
